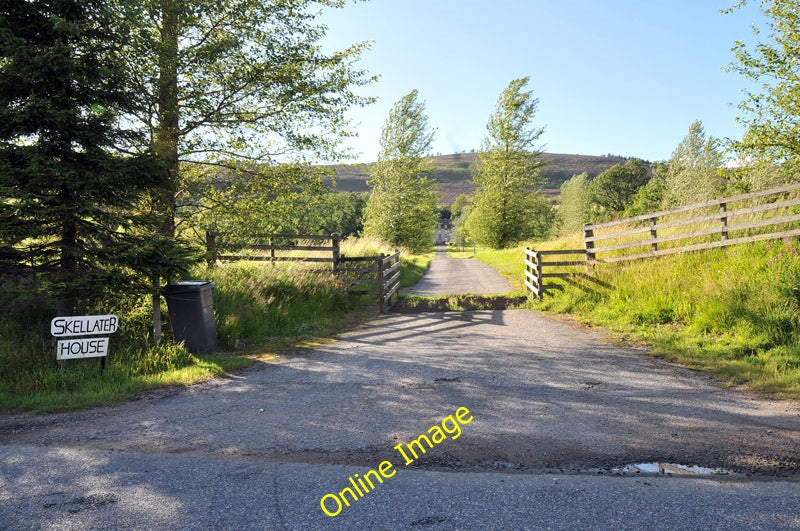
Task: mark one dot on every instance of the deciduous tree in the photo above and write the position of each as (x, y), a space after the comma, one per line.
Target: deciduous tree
(772, 115)
(693, 173)
(612, 191)
(224, 82)
(233, 81)
(573, 204)
(402, 206)
(507, 208)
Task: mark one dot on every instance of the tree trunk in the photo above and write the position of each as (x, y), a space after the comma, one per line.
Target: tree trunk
(167, 132)
(167, 135)
(211, 248)
(68, 265)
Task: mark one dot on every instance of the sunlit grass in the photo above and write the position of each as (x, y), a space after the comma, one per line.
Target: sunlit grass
(81, 384)
(260, 308)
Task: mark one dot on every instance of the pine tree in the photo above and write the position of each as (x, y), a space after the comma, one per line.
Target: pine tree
(65, 192)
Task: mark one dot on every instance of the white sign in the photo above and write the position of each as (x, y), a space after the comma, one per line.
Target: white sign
(94, 347)
(84, 325)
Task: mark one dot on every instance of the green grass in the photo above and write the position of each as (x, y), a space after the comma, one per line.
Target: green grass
(460, 303)
(79, 383)
(261, 310)
(32, 380)
(259, 305)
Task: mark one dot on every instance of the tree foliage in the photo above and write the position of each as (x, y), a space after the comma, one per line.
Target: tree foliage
(651, 196)
(773, 115)
(507, 208)
(611, 191)
(233, 81)
(459, 204)
(236, 84)
(402, 206)
(244, 203)
(339, 213)
(693, 175)
(66, 194)
(573, 204)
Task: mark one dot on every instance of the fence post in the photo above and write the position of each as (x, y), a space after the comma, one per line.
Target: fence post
(539, 276)
(723, 209)
(271, 252)
(588, 232)
(381, 288)
(527, 267)
(335, 239)
(653, 234)
(397, 292)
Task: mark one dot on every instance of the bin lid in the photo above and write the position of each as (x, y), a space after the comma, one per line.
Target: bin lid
(188, 285)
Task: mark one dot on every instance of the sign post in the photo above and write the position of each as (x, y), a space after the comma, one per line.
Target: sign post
(83, 347)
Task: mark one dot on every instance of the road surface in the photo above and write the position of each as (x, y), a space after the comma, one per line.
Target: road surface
(451, 276)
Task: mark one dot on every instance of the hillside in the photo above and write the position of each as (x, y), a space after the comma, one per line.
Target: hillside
(454, 173)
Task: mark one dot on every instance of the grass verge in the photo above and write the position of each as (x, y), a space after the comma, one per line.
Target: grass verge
(261, 310)
(459, 303)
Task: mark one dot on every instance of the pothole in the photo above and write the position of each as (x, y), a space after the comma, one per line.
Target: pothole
(668, 469)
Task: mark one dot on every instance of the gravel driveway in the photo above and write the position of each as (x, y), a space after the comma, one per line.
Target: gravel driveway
(451, 276)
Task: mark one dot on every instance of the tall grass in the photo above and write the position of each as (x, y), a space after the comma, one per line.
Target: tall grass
(701, 225)
(258, 306)
(31, 379)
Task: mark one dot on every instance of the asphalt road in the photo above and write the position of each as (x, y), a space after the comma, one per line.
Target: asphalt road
(554, 413)
(451, 276)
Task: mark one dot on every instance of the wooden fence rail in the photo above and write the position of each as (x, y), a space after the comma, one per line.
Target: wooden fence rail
(272, 247)
(375, 275)
(776, 211)
(778, 214)
(535, 264)
(382, 272)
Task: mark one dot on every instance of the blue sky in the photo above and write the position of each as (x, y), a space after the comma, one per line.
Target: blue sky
(625, 77)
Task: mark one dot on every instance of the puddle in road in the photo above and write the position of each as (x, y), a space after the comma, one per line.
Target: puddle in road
(669, 469)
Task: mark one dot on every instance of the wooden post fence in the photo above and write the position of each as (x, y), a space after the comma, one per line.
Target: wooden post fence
(778, 215)
(373, 275)
(535, 265)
